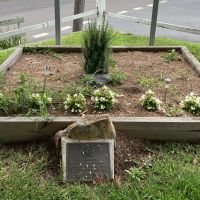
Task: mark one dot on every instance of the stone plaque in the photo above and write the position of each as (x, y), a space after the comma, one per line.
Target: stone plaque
(87, 160)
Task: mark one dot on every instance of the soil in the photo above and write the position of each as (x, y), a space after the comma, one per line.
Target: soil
(143, 70)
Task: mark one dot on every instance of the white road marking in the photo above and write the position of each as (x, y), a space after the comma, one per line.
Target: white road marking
(66, 28)
(122, 12)
(138, 8)
(150, 5)
(40, 35)
(164, 1)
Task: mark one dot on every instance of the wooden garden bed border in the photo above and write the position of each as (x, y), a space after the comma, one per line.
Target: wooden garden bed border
(20, 129)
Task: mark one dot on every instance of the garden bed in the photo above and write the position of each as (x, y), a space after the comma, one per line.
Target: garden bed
(144, 67)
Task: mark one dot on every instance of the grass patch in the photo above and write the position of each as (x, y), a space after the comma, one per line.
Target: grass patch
(30, 172)
(4, 54)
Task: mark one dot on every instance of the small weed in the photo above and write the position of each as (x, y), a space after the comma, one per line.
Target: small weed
(74, 89)
(175, 111)
(147, 81)
(182, 74)
(118, 77)
(88, 80)
(136, 174)
(172, 56)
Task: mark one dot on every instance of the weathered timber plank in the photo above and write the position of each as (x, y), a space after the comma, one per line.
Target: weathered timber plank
(19, 129)
(77, 49)
(11, 60)
(191, 59)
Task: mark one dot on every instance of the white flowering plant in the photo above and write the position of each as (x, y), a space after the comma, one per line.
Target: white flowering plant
(40, 103)
(191, 103)
(75, 103)
(150, 102)
(104, 98)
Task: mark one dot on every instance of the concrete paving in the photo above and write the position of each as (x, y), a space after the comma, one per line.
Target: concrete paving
(178, 12)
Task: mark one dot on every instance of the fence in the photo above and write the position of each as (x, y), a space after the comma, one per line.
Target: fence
(100, 13)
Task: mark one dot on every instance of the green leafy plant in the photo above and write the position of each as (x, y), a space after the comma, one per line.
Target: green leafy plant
(172, 56)
(136, 173)
(191, 103)
(118, 77)
(104, 98)
(88, 80)
(96, 48)
(22, 93)
(150, 102)
(75, 103)
(39, 103)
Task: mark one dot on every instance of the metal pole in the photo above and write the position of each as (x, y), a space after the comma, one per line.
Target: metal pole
(57, 22)
(153, 22)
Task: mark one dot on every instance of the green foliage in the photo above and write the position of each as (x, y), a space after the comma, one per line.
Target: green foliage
(148, 81)
(12, 42)
(4, 104)
(75, 89)
(118, 77)
(150, 102)
(172, 56)
(104, 98)
(88, 80)
(136, 173)
(4, 54)
(75, 103)
(191, 103)
(175, 111)
(39, 103)
(22, 94)
(96, 48)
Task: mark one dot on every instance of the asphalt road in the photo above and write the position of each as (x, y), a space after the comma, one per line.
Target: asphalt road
(178, 12)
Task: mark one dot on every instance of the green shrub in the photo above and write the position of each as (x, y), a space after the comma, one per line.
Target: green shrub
(104, 98)
(75, 103)
(150, 102)
(96, 48)
(191, 103)
(118, 77)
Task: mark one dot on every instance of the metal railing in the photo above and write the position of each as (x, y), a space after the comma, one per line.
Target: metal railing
(100, 13)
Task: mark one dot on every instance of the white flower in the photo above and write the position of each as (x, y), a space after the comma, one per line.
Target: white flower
(49, 99)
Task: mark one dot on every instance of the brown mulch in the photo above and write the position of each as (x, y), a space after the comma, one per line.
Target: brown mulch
(67, 69)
